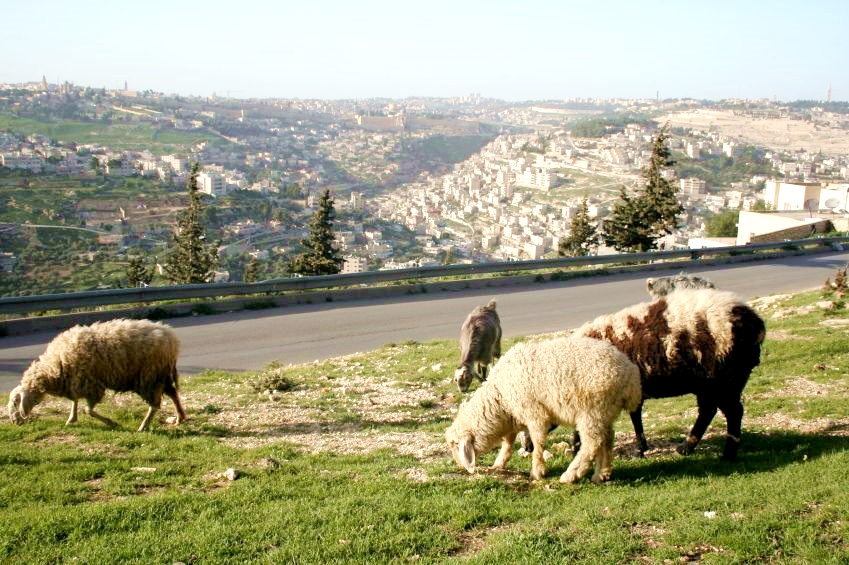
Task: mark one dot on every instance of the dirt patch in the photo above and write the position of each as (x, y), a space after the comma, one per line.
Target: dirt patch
(837, 427)
(424, 447)
(784, 335)
(800, 387)
(649, 533)
(776, 133)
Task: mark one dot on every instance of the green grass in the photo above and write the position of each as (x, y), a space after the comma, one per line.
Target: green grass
(348, 466)
(130, 136)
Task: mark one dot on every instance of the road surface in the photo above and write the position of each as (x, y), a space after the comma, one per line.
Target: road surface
(249, 340)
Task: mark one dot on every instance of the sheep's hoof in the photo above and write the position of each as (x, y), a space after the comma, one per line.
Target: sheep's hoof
(602, 476)
(569, 477)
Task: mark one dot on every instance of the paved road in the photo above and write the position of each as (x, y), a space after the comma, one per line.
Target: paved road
(249, 340)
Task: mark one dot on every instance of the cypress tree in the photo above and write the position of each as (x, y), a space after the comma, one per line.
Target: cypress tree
(638, 221)
(320, 257)
(583, 235)
(192, 259)
(138, 274)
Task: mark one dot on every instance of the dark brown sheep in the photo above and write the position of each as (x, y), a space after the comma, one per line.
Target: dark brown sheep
(704, 342)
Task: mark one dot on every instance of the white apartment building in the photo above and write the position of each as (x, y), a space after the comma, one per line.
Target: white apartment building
(693, 152)
(354, 264)
(178, 163)
(693, 185)
(32, 163)
(211, 183)
(785, 196)
(357, 202)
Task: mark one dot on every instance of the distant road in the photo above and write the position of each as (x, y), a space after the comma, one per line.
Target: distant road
(248, 340)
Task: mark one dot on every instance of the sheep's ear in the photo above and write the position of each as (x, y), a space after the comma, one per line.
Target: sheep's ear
(466, 453)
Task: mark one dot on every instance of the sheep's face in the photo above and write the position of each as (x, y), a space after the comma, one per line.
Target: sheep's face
(462, 449)
(21, 402)
(463, 377)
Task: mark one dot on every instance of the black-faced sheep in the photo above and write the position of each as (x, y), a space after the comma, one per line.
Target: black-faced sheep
(85, 361)
(578, 382)
(480, 344)
(704, 342)
(661, 286)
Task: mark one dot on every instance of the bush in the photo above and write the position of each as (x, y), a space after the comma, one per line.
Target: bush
(270, 379)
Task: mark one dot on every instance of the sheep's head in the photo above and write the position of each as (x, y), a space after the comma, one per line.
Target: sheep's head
(463, 377)
(21, 402)
(462, 448)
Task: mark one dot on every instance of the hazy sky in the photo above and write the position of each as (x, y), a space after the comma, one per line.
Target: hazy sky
(520, 50)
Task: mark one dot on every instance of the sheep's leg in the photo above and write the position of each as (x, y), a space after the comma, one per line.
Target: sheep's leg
(733, 411)
(581, 464)
(538, 434)
(482, 370)
(506, 452)
(528, 445)
(73, 416)
(604, 459)
(637, 422)
(91, 412)
(181, 415)
(155, 401)
(148, 417)
(707, 410)
(576, 442)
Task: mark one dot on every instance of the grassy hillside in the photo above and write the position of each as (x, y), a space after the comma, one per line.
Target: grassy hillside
(343, 461)
(119, 136)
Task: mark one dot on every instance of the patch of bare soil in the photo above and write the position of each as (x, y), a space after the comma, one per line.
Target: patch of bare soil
(800, 387)
(838, 427)
(782, 134)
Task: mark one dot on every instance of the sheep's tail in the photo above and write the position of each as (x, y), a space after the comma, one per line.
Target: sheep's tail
(491, 304)
(175, 378)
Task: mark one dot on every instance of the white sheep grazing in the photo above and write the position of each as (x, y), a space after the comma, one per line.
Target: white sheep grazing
(579, 382)
(480, 344)
(85, 361)
(661, 286)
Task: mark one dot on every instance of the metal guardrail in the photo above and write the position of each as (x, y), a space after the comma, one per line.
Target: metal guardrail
(96, 298)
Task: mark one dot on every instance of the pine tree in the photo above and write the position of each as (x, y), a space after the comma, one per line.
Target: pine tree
(638, 221)
(251, 272)
(192, 259)
(583, 235)
(138, 274)
(320, 257)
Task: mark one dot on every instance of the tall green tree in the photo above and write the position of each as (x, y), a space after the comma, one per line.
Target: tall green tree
(723, 224)
(192, 258)
(583, 235)
(638, 221)
(251, 272)
(138, 274)
(320, 256)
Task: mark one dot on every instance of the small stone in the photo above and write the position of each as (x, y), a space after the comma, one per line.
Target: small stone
(231, 474)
